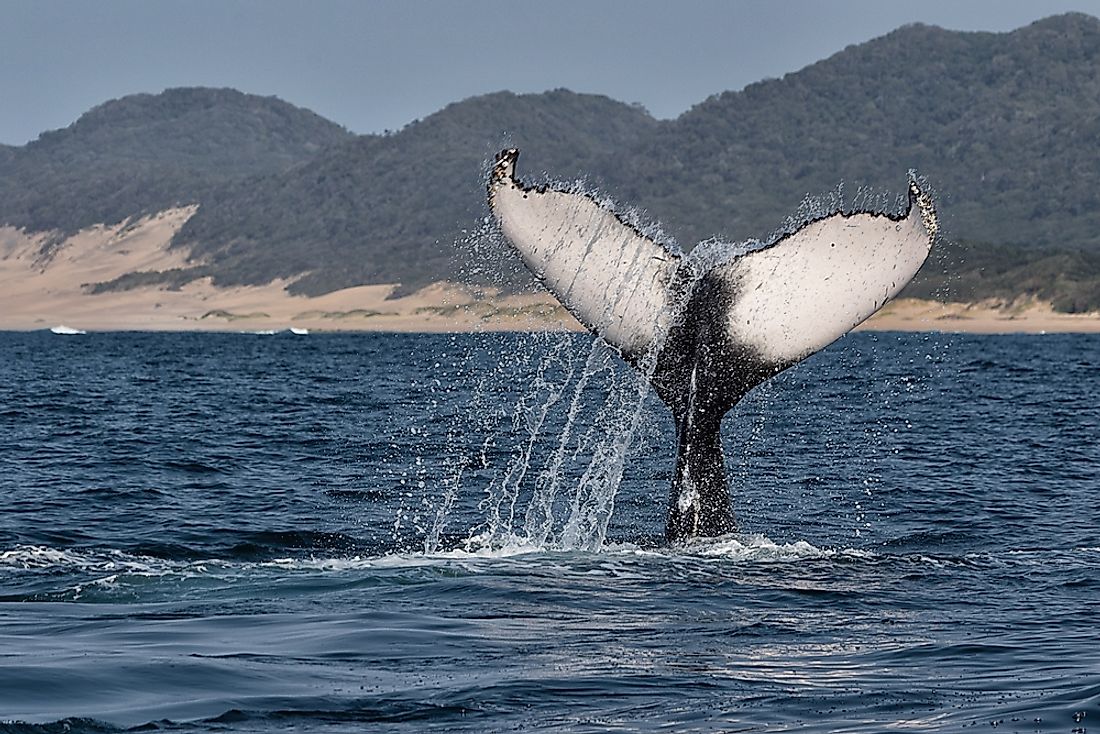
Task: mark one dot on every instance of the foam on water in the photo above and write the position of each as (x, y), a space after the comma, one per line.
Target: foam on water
(44, 558)
(758, 548)
(68, 575)
(753, 548)
(67, 331)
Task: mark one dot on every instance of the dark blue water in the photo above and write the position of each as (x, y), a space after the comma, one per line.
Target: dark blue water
(443, 533)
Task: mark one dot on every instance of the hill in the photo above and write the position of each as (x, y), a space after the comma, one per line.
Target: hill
(1005, 126)
(972, 271)
(145, 153)
(388, 209)
(991, 119)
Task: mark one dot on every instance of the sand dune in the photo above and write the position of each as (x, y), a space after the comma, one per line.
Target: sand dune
(39, 291)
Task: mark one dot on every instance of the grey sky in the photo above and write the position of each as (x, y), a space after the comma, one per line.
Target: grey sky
(377, 65)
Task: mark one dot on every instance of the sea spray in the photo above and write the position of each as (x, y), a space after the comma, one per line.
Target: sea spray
(534, 498)
(537, 497)
(594, 498)
(539, 520)
(546, 455)
(529, 414)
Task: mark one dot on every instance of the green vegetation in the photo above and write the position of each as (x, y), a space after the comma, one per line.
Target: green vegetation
(230, 316)
(173, 279)
(967, 271)
(487, 311)
(357, 313)
(145, 153)
(389, 209)
(1005, 127)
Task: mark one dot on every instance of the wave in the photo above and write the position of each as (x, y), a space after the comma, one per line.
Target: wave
(742, 549)
(388, 710)
(67, 330)
(37, 557)
(758, 548)
(72, 725)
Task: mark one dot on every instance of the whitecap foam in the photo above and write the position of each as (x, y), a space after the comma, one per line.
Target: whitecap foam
(476, 548)
(28, 557)
(38, 557)
(312, 563)
(758, 548)
(67, 330)
(747, 548)
(478, 551)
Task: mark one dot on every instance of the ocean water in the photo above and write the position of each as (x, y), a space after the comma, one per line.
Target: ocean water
(411, 533)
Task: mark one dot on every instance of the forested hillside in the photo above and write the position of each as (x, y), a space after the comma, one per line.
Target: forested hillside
(388, 209)
(1005, 127)
(146, 152)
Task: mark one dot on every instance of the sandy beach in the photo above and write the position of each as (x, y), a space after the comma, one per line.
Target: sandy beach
(1026, 316)
(38, 292)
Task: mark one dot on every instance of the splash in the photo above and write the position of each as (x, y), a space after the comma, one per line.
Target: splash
(572, 429)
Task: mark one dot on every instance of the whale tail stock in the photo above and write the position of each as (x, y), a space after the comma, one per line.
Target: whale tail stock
(706, 334)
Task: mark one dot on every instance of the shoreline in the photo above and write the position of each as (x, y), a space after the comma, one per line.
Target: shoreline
(1023, 316)
(446, 308)
(42, 288)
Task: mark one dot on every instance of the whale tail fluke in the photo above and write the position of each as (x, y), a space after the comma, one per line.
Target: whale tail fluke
(611, 277)
(712, 332)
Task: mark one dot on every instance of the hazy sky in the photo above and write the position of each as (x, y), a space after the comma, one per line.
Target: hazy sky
(377, 65)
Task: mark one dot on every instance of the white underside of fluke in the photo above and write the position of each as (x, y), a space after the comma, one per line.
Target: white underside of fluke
(613, 279)
(815, 285)
(789, 299)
